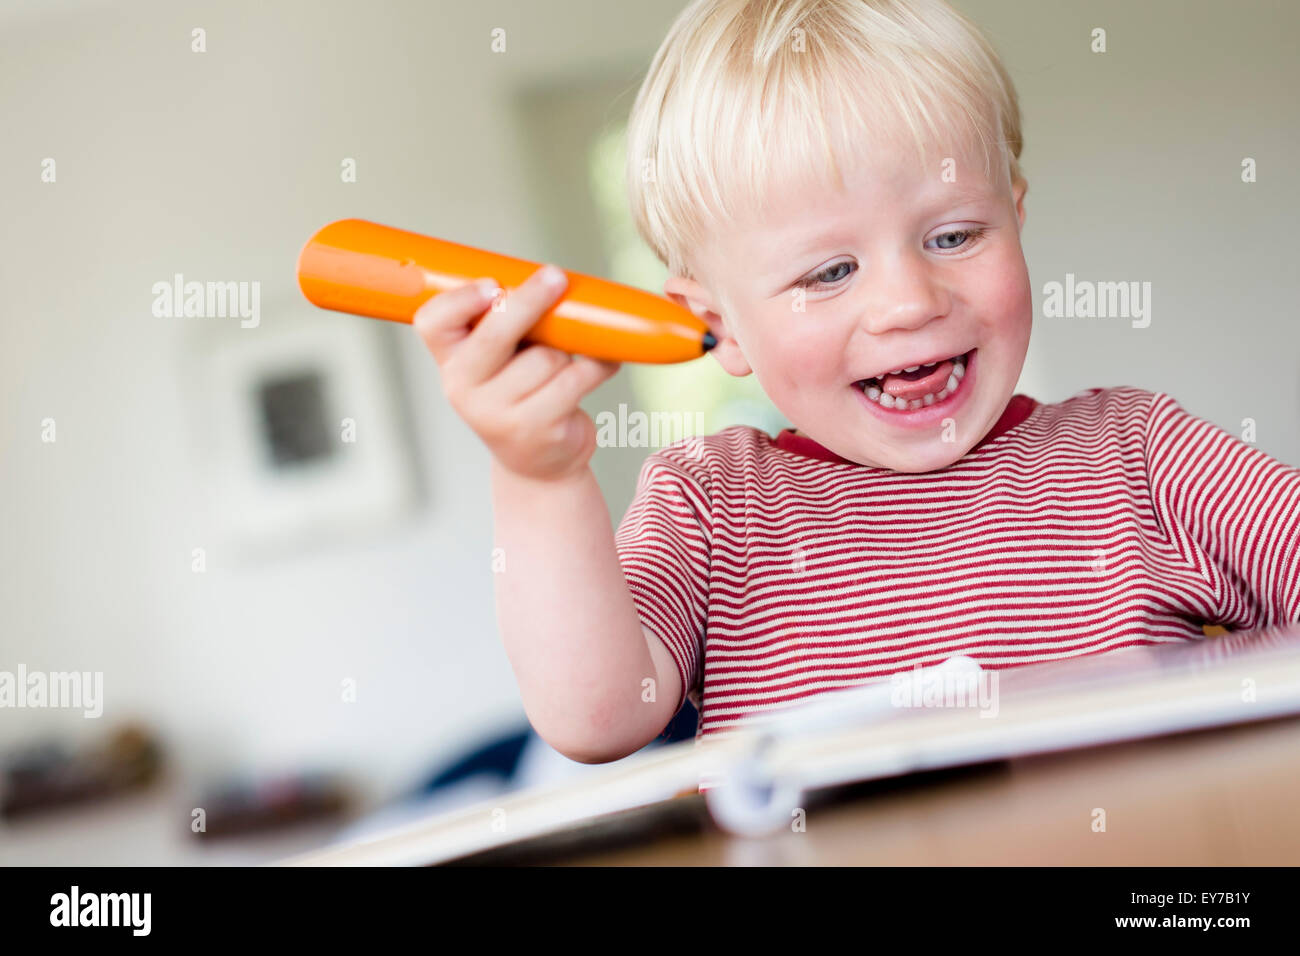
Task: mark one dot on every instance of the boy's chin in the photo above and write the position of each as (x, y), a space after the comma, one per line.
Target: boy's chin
(922, 457)
(920, 460)
(921, 454)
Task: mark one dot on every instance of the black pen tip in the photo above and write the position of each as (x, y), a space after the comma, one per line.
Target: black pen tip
(708, 341)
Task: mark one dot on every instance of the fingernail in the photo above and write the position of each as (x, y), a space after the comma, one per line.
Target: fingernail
(553, 276)
(488, 288)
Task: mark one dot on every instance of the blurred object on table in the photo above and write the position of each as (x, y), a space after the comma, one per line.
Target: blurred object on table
(49, 775)
(275, 803)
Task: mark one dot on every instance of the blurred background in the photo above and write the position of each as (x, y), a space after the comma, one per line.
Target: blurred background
(273, 538)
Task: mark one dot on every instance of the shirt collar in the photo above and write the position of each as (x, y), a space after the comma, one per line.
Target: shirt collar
(1018, 409)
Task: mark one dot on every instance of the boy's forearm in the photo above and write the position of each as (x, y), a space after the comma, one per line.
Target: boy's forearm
(567, 619)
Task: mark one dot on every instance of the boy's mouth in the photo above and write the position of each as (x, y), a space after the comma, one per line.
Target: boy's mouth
(916, 386)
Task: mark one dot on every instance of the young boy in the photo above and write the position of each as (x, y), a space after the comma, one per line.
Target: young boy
(834, 187)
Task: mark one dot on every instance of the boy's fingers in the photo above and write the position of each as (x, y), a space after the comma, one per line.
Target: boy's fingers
(493, 341)
(561, 395)
(445, 320)
(529, 370)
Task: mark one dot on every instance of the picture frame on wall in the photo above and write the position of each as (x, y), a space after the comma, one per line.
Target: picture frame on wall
(308, 438)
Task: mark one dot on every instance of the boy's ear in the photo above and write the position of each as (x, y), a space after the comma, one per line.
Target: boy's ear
(1018, 190)
(691, 295)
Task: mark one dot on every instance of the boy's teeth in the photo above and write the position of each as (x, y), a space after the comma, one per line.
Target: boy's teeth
(871, 387)
(884, 398)
(959, 361)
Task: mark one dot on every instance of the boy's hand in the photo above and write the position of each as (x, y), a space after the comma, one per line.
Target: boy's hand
(522, 403)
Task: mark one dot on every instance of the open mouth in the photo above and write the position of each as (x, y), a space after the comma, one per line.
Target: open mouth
(918, 386)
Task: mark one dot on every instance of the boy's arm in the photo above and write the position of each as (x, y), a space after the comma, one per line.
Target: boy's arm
(570, 629)
(1226, 503)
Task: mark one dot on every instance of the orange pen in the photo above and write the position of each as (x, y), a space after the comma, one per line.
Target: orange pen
(367, 269)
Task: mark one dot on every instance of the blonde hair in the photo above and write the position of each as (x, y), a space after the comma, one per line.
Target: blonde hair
(738, 97)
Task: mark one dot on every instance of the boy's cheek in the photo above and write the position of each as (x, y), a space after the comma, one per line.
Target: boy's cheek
(789, 363)
(1006, 294)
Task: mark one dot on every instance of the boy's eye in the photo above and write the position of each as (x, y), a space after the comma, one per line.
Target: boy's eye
(956, 238)
(831, 275)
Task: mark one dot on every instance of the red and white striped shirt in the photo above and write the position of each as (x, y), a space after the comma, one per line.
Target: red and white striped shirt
(774, 570)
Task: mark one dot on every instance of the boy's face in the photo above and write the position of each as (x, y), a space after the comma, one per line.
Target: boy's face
(830, 289)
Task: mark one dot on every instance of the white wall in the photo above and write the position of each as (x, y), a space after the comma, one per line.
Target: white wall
(219, 165)
(1133, 158)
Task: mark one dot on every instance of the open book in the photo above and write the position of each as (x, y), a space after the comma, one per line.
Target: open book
(955, 713)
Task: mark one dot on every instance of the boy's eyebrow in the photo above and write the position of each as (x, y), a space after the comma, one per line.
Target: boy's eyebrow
(811, 241)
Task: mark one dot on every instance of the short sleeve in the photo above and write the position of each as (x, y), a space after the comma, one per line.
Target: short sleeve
(663, 545)
(1232, 510)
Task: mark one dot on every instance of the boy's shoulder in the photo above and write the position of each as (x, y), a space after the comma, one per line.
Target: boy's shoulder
(1115, 404)
(702, 456)
(1123, 415)
(727, 445)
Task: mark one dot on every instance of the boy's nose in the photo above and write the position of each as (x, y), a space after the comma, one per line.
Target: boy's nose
(904, 294)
